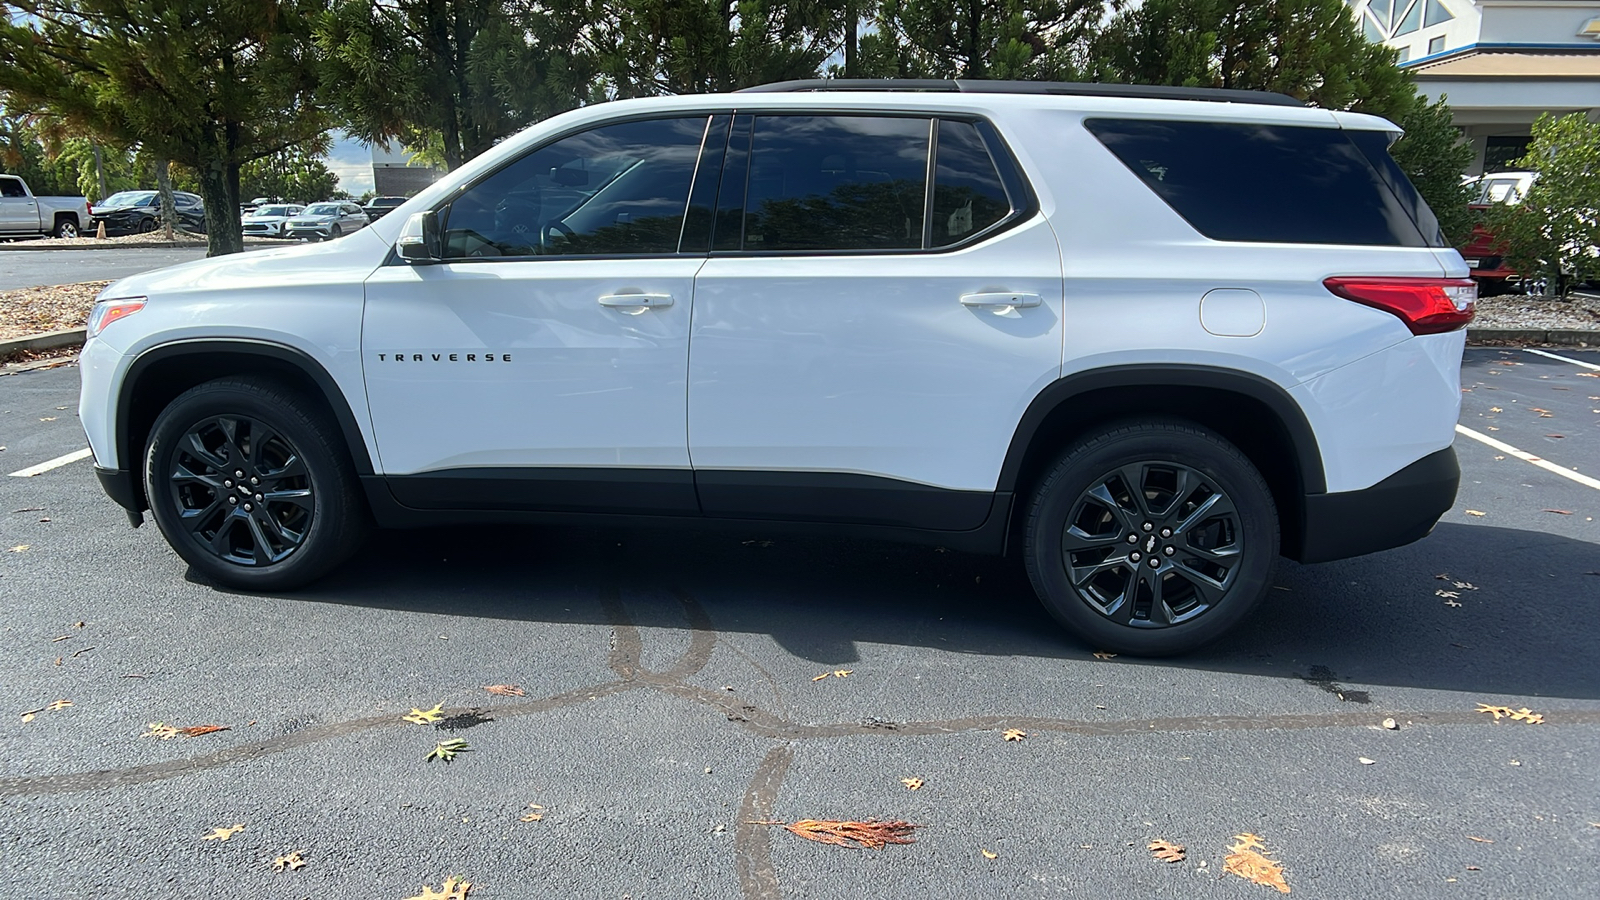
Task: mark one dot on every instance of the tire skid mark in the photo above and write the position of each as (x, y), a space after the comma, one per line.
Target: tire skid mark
(702, 638)
(627, 646)
(75, 782)
(752, 844)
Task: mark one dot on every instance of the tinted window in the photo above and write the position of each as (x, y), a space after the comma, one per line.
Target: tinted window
(968, 195)
(617, 189)
(1244, 182)
(836, 183)
(11, 187)
(322, 209)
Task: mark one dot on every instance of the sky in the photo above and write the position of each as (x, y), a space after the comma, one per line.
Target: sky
(351, 160)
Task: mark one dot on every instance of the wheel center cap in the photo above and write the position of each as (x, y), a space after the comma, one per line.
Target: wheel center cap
(1150, 544)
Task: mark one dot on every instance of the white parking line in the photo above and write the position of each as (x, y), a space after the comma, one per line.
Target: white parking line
(1576, 362)
(56, 463)
(1525, 456)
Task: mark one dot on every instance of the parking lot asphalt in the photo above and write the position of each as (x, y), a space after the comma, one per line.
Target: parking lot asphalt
(19, 269)
(672, 699)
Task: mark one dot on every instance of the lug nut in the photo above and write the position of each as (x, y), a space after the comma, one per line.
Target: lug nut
(254, 480)
(1134, 556)
(1155, 562)
(1165, 532)
(248, 508)
(238, 473)
(233, 499)
(258, 500)
(227, 482)
(1133, 539)
(1169, 551)
(1148, 526)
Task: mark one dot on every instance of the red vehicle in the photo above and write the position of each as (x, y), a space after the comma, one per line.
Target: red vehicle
(1482, 251)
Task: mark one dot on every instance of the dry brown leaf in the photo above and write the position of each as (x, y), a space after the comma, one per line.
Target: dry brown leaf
(222, 834)
(167, 732)
(836, 673)
(425, 716)
(822, 676)
(290, 860)
(988, 854)
(871, 834)
(1516, 715)
(1495, 409)
(453, 888)
(1448, 594)
(1559, 512)
(1480, 840)
(912, 784)
(1104, 654)
(161, 730)
(506, 690)
(1166, 851)
(1015, 734)
(1248, 861)
(197, 730)
(1475, 512)
(533, 815)
(59, 704)
(20, 548)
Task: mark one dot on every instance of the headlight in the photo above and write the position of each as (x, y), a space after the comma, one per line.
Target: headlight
(107, 311)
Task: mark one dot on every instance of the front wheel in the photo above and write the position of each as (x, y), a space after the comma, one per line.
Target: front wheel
(1151, 538)
(251, 484)
(334, 232)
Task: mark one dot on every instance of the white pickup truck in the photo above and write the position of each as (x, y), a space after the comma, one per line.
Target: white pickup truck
(21, 213)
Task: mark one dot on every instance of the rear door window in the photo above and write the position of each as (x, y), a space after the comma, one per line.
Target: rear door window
(1237, 181)
(968, 194)
(831, 183)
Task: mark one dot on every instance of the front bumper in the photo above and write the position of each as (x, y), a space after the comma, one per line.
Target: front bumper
(1392, 513)
(116, 227)
(308, 231)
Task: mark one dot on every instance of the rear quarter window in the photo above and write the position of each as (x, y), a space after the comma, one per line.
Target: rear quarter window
(1235, 181)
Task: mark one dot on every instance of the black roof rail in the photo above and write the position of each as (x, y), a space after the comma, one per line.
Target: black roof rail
(1072, 88)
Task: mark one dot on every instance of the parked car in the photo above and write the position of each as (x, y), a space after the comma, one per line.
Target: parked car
(327, 220)
(23, 214)
(271, 220)
(137, 212)
(378, 207)
(1482, 251)
(984, 315)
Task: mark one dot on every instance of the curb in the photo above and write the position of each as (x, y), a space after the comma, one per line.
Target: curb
(1567, 336)
(50, 340)
(91, 244)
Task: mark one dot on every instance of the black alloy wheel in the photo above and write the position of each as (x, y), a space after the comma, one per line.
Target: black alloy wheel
(147, 225)
(251, 483)
(1151, 537)
(242, 490)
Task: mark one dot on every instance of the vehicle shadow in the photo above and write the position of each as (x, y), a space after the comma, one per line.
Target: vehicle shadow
(1528, 624)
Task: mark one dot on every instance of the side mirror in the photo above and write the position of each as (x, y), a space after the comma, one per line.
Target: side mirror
(419, 239)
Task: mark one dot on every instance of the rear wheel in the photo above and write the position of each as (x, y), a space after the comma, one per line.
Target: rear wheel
(251, 484)
(66, 228)
(1151, 538)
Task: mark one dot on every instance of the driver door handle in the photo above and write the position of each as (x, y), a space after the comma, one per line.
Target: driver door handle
(635, 303)
(1000, 300)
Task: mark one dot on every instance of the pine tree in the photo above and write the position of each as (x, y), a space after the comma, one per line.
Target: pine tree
(995, 39)
(209, 85)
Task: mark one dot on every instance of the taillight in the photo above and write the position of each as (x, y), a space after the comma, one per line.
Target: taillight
(1426, 305)
(107, 311)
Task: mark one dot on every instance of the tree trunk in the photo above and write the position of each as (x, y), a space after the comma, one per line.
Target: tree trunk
(851, 22)
(99, 171)
(169, 211)
(219, 188)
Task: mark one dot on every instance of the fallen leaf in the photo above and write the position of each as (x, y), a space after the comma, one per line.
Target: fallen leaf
(1473, 869)
(165, 732)
(446, 751)
(1166, 851)
(59, 704)
(532, 815)
(20, 548)
(1516, 715)
(1248, 861)
(871, 834)
(28, 714)
(506, 690)
(912, 784)
(1391, 724)
(453, 889)
(1557, 436)
(222, 834)
(197, 730)
(1449, 602)
(1015, 734)
(1495, 409)
(841, 673)
(47, 418)
(822, 676)
(425, 716)
(290, 860)
(1365, 762)
(1103, 654)
(988, 854)
(1474, 512)
(1449, 594)
(64, 637)
(1559, 512)
(1465, 585)
(1480, 840)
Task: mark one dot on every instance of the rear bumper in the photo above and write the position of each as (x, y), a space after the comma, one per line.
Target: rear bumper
(1394, 512)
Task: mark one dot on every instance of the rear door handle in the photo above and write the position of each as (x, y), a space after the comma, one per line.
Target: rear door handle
(1001, 301)
(634, 304)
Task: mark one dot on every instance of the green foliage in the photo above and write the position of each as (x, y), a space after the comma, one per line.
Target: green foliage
(1554, 233)
(459, 74)
(292, 175)
(997, 39)
(209, 85)
(1433, 156)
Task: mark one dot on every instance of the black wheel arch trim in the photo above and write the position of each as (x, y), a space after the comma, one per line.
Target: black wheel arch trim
(1308, 455)
(282, 353)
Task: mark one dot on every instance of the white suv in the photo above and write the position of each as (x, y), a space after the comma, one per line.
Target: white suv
(1150, 338)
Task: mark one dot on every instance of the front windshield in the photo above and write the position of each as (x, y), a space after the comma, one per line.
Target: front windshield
(323, 209)
(128, 198)
(266, 211)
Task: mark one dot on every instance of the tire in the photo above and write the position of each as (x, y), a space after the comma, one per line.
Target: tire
(334, 232)
(255, 542)
(66, 228)
(1211, 572)
(147, 225)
